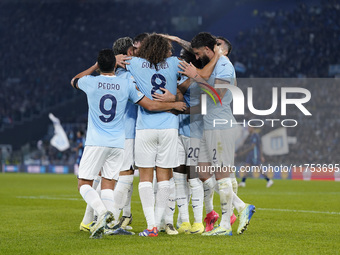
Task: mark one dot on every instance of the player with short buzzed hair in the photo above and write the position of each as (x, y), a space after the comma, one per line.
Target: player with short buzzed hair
(224, 44)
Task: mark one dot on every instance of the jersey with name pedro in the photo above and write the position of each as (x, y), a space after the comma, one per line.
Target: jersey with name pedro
(107, 97)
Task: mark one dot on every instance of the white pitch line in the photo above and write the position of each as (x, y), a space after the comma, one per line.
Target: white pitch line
(50, 198)
(261, 209)
(298, 211)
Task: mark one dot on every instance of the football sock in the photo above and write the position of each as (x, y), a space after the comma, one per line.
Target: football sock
(208, 187)
(226, 194)
(127, 207)
(88, 215)
(197, 192)
(238, 203)
(235, 188)
(107, 198)
(120, 194)
(244, 179)
(154, 183)
(147, 198)
(162, 198)
(235, 185)
(92, 198)
(170, 208)
(98, 190)
(182, 195)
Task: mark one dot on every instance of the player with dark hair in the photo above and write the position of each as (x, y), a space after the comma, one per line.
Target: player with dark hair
(224, 44)
(137, 41)
(217, 146)
(107, 96)
(190, 133)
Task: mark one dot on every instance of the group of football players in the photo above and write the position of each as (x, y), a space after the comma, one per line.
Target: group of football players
(171, 137)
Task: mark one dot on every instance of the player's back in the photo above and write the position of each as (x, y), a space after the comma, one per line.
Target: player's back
(107, 97)
(149, 80)
(130, 115)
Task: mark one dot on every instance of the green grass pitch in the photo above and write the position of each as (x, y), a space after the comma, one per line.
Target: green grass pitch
(40, 214)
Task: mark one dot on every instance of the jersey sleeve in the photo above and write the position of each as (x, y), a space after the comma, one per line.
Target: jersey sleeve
(224, 70)
(83, 83)
(134, 94)
(132, 64)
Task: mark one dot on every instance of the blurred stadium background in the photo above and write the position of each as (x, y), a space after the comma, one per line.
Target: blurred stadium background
(45, 43)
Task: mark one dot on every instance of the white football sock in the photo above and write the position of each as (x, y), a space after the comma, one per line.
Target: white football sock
(89, 212)
(148, 201)
(197, 198)
(182, 195)
(209, 186)
(235, 185)
(120, 194)
(226, 196)
(92, 198)
(127, 207)
(170, 208)
(162, 198)
(98, 190)
(179, 222)
(107, 198)
(238, 203)
(154, 183)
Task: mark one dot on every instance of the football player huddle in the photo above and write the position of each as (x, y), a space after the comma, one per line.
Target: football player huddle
(149, 110)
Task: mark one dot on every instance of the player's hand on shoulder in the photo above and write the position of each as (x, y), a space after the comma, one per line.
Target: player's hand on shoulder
(121, 60)
(188, 69)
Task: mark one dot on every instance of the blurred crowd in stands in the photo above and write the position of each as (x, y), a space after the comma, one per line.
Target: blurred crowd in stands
(48, 43)
(298, 43)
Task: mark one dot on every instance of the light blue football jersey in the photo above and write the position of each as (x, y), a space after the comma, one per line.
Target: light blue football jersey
(223, 71)
(149, 80)
(191, 125)
(130, 115)
(107, 97)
